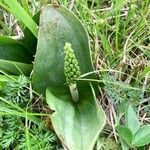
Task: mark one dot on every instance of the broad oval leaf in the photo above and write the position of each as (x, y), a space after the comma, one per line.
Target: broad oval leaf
(58, 26)
(142, 136)
(14, 57)
(77, 124)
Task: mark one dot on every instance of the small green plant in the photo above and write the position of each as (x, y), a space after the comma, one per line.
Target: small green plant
(132, 133)
(118, 91)
(16, 91)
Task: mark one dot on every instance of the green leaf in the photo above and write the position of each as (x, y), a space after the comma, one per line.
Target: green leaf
(15, 68)
(4, 79)
(124, 133)
(77, 124)
(11, 109)
(14, 51)
(145, 72)
(124, 145)
(26, 7)
(132, 120)
(29, 40)
(142, 136)
(106, 46)
(20, 13)
(58, 26)
(122, 108)
(14, 57)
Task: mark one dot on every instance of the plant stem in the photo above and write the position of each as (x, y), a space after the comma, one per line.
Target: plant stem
(74, 92)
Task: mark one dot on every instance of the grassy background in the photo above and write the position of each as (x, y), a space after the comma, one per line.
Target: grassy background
(119, 34)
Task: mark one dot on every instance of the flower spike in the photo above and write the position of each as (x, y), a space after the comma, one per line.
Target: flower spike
(71, 70)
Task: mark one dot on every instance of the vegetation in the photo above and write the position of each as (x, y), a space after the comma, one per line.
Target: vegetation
(75, 74)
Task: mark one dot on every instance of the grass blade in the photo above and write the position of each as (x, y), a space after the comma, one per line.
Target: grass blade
(21, 14)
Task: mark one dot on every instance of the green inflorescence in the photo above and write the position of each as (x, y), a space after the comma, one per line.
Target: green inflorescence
(71, 66)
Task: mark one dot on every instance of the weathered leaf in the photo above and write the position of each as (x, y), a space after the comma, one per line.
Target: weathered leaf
(142, 136)
(58, 26)
(132, 120)
(77, 124)
(124, 133)
(14, 57)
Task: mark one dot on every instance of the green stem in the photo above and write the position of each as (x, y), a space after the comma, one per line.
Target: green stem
(74, 92)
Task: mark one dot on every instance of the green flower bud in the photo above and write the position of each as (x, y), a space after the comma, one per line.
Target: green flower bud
(67, 64)
(71, 66)
(68, 69)
(70, 55)
(75, 76)
(74, 70)
(72, 73)
(73, 62)
(68, 59)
